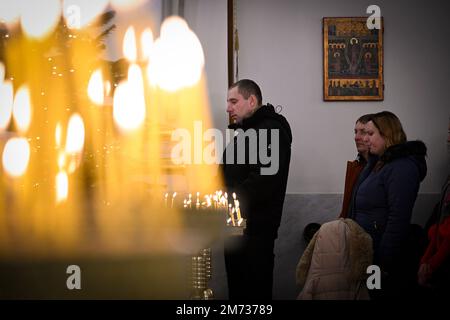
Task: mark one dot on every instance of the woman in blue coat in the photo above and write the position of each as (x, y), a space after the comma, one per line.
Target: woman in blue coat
(385, 194)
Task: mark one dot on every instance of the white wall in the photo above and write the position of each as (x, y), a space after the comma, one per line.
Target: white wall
(281, 49)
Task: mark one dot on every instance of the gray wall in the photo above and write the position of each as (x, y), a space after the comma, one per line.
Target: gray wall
(281, 48)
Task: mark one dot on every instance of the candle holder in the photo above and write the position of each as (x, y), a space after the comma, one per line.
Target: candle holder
(201, 273)
(206, 218)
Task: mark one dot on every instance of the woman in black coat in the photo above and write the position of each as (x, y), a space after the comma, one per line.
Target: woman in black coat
(385, 194)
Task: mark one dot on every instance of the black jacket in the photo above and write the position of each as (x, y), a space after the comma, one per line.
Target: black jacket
(261, 196)
(385, 198)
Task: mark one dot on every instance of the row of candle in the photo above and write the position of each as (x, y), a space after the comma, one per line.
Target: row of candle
(216, 201)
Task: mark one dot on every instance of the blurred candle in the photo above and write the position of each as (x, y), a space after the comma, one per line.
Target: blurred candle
(173, 198)
(16, 156)
(146, 44)
(129, 44)
(95, 87)
(238, 210)
(62, 187)
(22, 109)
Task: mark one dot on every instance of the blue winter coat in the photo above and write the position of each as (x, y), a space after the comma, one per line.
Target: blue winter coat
(385, 196)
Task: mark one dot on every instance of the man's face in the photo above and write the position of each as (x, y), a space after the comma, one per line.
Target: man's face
(238, 107)
(360, 133)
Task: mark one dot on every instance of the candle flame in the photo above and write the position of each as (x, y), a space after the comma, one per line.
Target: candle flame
(177, 56)
(16, 156)
(75, 135)
(22, 109)
(6, 103)
(95, 87)
(129, 44)
(147, 43)
(62, 186)
(129, 101)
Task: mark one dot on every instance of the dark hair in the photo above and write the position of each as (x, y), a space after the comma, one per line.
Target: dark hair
(310, 230)
(364, 118)
(246, 88)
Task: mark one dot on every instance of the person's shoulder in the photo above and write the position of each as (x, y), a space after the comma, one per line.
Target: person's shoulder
(401, 170)
(270, 123)
(404, 164)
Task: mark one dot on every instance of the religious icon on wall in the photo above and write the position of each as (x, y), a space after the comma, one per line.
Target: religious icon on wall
(352, 60)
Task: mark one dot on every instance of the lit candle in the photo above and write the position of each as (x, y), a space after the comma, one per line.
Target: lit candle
(208, 201)
(214, 197)
(165, 199)
(233, 220)
(238, 211)
(15, 160)
(226, 199)
(173, 198)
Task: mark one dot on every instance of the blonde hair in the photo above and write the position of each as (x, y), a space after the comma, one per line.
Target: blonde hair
(390, 128)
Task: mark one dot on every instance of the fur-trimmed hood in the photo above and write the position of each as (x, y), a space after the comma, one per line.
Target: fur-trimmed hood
(414, 150)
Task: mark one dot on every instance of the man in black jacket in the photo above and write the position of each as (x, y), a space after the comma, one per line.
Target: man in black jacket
(255, 167)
